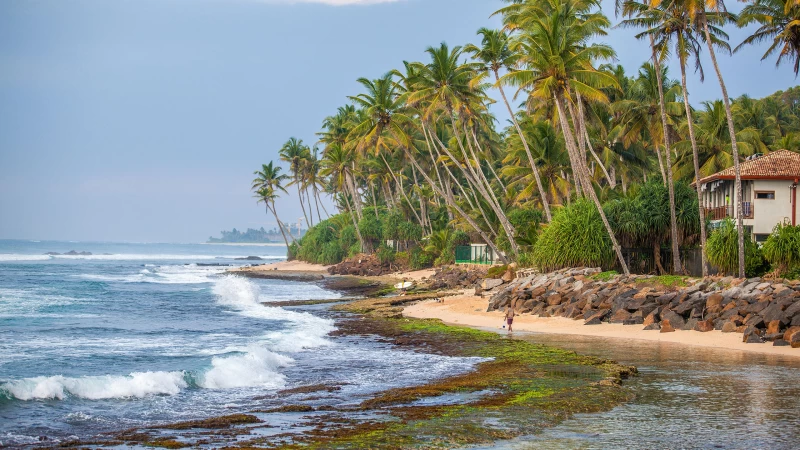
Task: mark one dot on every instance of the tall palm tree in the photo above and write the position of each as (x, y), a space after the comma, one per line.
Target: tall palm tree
(495, 55)
(670, 25)
(296, 153)
(336, 164)
(780, 22)
(713, 12)
(269, 180)
(557, 56)
(633, 7)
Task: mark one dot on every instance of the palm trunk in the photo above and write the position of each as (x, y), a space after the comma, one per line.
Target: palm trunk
(696, 160)
(300, 195)
(534, 169)
(734, 147)
(673, 223)
(583, 172)
(355, 223)
(479, 181)
(280, 227)
(585, 133)
(310, 209)
(356, 198)
(319, 198)
(461, 212)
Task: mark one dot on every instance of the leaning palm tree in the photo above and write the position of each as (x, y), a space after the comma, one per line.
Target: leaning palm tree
(780, 22)
(495, 55)
(268, 181)
(557, 56)
(295, 153)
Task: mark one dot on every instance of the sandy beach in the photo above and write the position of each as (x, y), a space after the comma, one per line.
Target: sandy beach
(470, 310)
(301, 267)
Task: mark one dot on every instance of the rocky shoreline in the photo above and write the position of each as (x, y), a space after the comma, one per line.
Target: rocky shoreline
(763, 311)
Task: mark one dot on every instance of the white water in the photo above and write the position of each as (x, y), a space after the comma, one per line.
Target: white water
(255, 365)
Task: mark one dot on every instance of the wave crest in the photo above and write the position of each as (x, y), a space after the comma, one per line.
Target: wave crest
(137, 384)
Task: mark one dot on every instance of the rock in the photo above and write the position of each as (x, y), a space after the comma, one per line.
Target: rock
(755, 321)
(651, 319)
(553, 299)
(773, 336)
(780, 343)
(491, 283)
(772, 313)
(793, 310)
(689, 325)
(729, 327)
(704, 326)
(593, 321)
(666, 326)
(653, 326)
(634, 320)
(620, 316)
(478, 291)
(250, 258)
(791, 334)
(774, 327)
(753, 338)
(675, 320)
(714, 300)
(795, 321)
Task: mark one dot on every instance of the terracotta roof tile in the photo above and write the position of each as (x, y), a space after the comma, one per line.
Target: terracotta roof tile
(781, 164)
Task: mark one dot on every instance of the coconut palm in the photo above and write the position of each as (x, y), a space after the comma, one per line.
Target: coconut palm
(780, 22)
(268, 182)
(495, 55)
(557, 58)
(296, 153)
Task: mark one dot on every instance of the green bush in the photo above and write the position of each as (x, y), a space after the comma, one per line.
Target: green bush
(496, 271)
(575, 237)
(782, 248)
(722, 249)
(420, 259)
(385, 254)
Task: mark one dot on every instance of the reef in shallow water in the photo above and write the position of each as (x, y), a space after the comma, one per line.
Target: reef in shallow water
(519, 388)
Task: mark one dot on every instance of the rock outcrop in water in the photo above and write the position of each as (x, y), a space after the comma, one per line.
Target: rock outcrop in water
(760, 310)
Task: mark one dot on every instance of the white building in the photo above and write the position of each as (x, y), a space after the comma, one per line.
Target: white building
(769, 192)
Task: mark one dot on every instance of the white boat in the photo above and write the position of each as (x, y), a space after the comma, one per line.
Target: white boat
(404, 285)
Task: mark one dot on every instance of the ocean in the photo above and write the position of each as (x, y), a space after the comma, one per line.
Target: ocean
(141, 334)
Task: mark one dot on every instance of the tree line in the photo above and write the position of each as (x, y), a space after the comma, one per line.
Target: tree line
(420, 143)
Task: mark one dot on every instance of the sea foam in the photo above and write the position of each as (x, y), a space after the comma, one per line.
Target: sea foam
(137, 384)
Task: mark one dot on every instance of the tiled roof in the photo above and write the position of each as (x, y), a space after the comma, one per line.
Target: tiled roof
(781, 164)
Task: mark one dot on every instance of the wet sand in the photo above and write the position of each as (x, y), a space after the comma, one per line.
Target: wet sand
(470, 310)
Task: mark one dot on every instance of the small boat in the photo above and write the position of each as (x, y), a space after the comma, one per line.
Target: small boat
(404, 285)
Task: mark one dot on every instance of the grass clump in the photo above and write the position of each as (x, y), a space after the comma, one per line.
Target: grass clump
(576, 237)
(496, 271)
(669, 281)
(604, 276)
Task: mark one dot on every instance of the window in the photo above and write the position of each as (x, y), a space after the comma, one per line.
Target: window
(765, 195)
(761, 238)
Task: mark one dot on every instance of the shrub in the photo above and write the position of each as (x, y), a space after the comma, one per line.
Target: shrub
(420, 259)
(722, 249)
(496, 271)
(575, 237)
(385, 254)
(782, 248)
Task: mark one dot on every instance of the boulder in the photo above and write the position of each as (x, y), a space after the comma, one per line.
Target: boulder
(620, 316)
(729, 327)
(793, 310)
(593, 321)
(653, 326)
(690, 324)
(634, 320)
(651, 319)
(675, 320)
(491, 283)
(791, 334)
(755, 321)
(704, 326)
(714, 300)
(772, 313)
(666, 326)
(780, 343)
(508, 276)
(774, 327)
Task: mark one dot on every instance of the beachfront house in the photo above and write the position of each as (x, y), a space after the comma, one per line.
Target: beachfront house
(769, 192)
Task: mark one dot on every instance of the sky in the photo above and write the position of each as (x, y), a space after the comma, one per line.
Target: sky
(143, 120)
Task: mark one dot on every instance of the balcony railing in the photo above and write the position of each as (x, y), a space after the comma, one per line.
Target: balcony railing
(722, 212)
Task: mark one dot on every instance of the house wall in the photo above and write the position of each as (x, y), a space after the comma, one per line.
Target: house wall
(768, 213)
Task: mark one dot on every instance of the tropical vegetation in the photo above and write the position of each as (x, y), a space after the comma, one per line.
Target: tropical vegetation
(593, 159)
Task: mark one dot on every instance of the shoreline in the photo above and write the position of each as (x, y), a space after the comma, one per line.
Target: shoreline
(470, 310)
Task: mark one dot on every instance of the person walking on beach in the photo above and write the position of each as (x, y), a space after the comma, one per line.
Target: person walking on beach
(510, 316)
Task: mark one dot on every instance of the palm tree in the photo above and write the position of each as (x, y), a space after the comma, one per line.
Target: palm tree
(670, 25)
(336, 165)
(557, 59)
(495, 55)
(296, 153)
(702, 12)
(631, 8)
(267, 183)
(780, 22)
